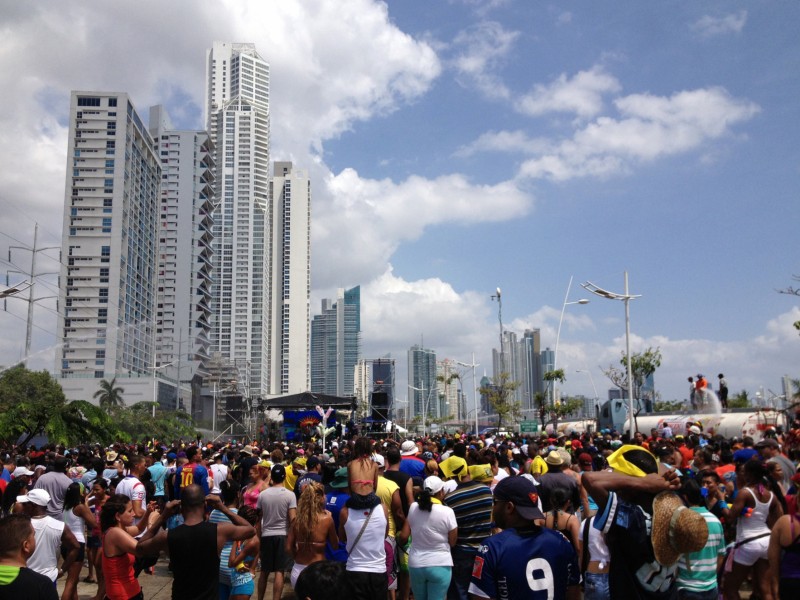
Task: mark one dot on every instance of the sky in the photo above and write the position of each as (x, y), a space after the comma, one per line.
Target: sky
(460, 146)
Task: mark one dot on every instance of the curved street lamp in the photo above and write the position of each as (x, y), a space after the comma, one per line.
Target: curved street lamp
(558, 333)
(626, 297)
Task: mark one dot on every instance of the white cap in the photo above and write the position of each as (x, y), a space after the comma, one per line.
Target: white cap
(433, 485)
(378, 458)
(37, 496)
(19, 471)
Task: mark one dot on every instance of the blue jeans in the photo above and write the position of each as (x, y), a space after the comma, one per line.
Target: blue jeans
(712, 594)
(463, 561)
(430, 583)
(595, 586)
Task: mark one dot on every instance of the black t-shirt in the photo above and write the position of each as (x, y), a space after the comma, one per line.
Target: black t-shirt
(29, 585)
(401, 479)
(195, 561)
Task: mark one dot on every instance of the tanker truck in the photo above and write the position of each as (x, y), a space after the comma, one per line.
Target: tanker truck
(734, 423)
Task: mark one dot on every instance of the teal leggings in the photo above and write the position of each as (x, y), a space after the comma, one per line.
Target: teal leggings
(430, 583)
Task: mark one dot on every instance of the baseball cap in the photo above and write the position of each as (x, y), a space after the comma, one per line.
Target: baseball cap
(312, 462)
(278, 473)
(768, 443)
(522, 493)
(19, 471)
(433, 485)
(378, 459)
(37, 496)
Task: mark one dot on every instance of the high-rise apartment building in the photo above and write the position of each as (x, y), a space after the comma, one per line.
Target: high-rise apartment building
(238, 121)
(262, 224)
(109, 271)
(289, 286)
(336, 346)
(422, 380)
(184, 254)
(447, 392)
(530, 356)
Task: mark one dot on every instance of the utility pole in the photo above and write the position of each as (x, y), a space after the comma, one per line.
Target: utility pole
(32, 274)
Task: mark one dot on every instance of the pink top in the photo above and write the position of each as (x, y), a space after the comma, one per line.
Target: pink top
(251, 496)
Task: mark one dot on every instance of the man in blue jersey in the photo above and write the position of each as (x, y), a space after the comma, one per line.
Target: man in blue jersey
(191, 472)
(525, 561)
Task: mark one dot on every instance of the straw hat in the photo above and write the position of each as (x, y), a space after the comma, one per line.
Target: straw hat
(676, 529)
(554, 458)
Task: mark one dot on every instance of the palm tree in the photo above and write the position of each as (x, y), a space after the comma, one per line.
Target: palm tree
(109, 395)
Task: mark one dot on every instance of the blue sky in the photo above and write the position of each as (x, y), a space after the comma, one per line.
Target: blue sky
(458, 146)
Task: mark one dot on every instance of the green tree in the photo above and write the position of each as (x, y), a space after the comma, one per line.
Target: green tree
(567, 407)
(501, 398)
(80, 421)
(643, 365)
(540, 402)
(740, 400)
(138, 423)
(109, 395)
(30, 403)
(551, 377)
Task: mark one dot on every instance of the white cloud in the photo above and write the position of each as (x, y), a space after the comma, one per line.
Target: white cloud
(581, 94)
(480, 51)
(650, 127)
(708, 26)
(564, 18)
(505, 141)
(366, 219)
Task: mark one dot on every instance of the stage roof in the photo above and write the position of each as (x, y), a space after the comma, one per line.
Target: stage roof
(307, 401)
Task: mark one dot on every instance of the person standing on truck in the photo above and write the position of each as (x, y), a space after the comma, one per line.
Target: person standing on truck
(723, 391)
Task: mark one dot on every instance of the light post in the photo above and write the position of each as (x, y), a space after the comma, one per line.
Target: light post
(155, 382)
(498, 296)
(558, 333)
(591, 379)
(424, 402)
(474, 387)
(626, 297)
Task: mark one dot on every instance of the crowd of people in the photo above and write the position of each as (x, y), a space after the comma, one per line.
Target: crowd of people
(665, 515)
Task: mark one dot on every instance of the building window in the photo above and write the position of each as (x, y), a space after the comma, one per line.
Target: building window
(88, 101)
(112, 101)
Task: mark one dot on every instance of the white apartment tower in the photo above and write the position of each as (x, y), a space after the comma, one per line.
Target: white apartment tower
(288, 329)
(237, 117)
(108, 275)
(186, 204)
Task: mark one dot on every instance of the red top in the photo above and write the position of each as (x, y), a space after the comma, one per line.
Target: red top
(120, 581)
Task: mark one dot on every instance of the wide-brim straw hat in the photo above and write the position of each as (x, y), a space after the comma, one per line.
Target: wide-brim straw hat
(554, 458)
(676, 529)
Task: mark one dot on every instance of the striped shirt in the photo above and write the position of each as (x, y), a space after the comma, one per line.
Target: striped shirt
(472, 503)
(703, 574)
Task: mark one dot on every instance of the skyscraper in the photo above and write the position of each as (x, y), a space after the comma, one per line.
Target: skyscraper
(238, 120)
(184, 249)
(336, 344)
(421, 380)
(530, 355)
(108, 275)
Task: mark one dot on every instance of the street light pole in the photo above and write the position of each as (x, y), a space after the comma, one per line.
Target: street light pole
(498, 296)
(474, 388)
(626, 297)
(558, 334)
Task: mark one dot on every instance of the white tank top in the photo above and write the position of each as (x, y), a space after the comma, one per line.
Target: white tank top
(48, 532)
(598, 550)
(75, 524)
(756, 523)
(369, 555)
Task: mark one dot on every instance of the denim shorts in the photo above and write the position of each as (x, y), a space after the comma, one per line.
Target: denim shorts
(595, 586)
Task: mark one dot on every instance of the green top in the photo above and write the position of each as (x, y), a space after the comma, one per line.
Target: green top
(703, 574)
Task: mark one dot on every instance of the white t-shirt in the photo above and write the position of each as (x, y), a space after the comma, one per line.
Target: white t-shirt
(48, 533)
(430, 546)
(220, 473)
(134, 489)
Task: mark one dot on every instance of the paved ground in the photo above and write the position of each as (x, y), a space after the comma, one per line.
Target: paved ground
(157, 586)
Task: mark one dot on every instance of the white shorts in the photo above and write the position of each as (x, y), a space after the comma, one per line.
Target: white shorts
(751, 552)
(297, 568)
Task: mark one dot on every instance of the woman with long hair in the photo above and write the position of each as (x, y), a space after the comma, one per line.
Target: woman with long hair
(16, 487)
(560, 519)
(95, 499)
(242, 560)
(433, 527)
(753, 514)
(119, 546)
(76, 516)
(311, 529)
(259, 481)
(362, 476)
(229, 494)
